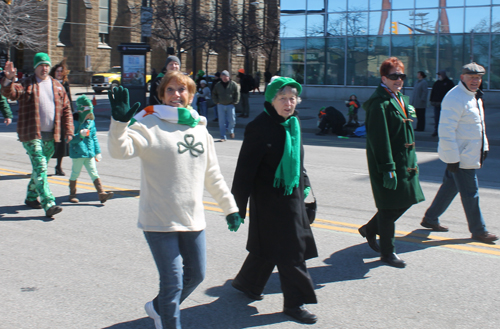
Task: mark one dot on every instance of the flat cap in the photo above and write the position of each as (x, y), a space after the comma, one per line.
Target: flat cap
(473, 68)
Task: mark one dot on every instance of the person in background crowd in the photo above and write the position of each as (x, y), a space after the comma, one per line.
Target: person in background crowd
(270, 171)
(226, 95)
(214, 82)
(178, 161)
(267, 78)
(246, 85)
(5, 106)
(203, 97)
(60, 73)
(463, 146)
(43, 109)
(419, 99)
(439, 90)
(353, 106)
(256, 82)
(392, 160)
(172, 63)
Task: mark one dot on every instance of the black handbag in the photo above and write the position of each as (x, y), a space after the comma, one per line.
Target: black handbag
(311, 209)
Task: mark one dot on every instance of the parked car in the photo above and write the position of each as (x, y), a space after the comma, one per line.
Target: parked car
(110, 79)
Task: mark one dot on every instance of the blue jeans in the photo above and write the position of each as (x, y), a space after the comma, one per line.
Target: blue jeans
(203, 108)
(227, 119)
(181, 261)
(465, 182)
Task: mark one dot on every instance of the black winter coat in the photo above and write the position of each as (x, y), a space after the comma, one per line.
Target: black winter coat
(440, 89)
(279, 228)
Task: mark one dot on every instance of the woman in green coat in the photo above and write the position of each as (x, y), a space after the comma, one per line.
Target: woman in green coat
(392, 161)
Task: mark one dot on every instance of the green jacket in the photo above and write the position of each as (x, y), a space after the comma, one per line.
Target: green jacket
(5, 108)
(390, 146)
(226, 96)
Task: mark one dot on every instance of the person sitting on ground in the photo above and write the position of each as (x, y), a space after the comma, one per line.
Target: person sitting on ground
(332, 119)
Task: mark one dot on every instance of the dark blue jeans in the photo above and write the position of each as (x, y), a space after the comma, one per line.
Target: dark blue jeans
(465, 182)
(437, 113)
(181, 261)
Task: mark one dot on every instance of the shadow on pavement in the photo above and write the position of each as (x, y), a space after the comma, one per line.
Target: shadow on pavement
(14, 210)
(11, 177)
(142, 323)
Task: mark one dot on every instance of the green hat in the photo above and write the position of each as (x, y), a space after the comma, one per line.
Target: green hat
(84, 107)
(41, 58)
(279, 83)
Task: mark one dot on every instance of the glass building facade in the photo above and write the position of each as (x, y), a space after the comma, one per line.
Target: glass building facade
(343, 42)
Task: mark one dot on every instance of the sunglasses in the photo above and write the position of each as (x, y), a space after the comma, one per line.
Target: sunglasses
(395, 76)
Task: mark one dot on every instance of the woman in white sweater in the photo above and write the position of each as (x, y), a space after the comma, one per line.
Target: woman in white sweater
(178, 161)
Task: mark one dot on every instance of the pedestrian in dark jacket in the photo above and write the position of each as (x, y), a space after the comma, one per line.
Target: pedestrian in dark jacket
(172, 63)
(439, 90)
(419, 99)
(270, 171)
(392, 161)
(246, 85)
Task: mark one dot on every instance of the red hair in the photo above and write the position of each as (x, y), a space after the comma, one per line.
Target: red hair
(390, 64)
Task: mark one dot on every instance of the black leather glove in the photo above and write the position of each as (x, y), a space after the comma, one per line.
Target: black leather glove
(120, 106)
(452, 167)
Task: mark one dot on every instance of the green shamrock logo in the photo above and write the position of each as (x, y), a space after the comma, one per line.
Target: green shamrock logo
(194, 149)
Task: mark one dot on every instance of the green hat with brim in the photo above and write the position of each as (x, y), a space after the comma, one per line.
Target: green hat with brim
(41, 58)
(279, 83)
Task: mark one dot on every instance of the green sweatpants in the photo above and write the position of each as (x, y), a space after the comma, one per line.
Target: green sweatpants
(40, 153)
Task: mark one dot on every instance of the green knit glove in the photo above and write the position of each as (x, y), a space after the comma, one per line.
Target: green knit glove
(234, 221)
(390, 180)
(307, 190)
(120, 106)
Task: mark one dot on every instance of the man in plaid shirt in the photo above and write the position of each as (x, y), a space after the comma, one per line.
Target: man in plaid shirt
(43, 108)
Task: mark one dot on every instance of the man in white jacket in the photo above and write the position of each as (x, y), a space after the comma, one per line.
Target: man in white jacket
(463, 146)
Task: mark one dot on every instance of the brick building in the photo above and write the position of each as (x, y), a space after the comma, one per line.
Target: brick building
(87, 33)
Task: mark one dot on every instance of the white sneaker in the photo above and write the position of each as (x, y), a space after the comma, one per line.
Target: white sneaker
(150, 310)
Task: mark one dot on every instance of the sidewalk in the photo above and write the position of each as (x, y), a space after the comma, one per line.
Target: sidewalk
(308, 114)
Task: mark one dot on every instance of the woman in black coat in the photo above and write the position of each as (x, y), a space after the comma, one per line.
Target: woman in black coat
(60, 73)
(270, 172)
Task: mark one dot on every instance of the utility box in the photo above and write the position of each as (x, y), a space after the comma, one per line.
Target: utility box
(133, 71)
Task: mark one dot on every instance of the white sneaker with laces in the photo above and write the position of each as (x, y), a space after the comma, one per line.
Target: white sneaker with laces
(150, 310)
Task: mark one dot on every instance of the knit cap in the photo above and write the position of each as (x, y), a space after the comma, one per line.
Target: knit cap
(226, 73)
(84, 107)
(172, 59)
(279, 83)
(41, 58)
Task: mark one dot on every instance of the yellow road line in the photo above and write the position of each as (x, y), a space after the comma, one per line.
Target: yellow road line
(428, 240)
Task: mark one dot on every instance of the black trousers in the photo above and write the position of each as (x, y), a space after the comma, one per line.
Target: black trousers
(384, 224)
(420, 119)
(296, 283)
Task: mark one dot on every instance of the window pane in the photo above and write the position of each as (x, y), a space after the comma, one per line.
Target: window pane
(336, 24)
(379, 23)
(293, 5)
(316, 5)
(481, 48)
(358, 4)
(495, 62)
(425, 57)
(495, 16)
(104, 3)
(402, 22)
(375, 4)
(454, 3)
(364, 57)
(425, 21)
(62, 10)
(451, 56)
(315, 25)
(403, 48)
(402, 4)
(451, 20)
(477, 19)
(336, 5)
(357, 23)
(335, 61)
(426, 4)
(315, 61)
(293, 26)
(477, 3)
(292, 59)
(103, 16)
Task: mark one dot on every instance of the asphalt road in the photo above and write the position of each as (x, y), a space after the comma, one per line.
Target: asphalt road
(91, 268)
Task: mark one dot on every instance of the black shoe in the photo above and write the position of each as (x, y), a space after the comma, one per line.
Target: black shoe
(372, 240)
(301, 313)
(33, 204)
(247, 292)
(393, 260)
(53, 211)
(434, 134)
(59, 172)
(434, 227)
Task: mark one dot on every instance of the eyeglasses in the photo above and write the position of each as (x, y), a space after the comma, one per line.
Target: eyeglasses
(395, 76)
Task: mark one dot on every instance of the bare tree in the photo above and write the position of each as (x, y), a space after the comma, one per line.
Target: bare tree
(21, 25)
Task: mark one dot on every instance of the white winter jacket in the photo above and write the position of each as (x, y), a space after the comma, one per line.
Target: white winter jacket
(461, 129)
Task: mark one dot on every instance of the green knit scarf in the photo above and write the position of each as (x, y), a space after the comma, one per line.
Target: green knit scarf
(288, 172)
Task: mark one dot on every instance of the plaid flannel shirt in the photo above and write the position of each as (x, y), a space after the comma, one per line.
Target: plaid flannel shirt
(28, 124)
